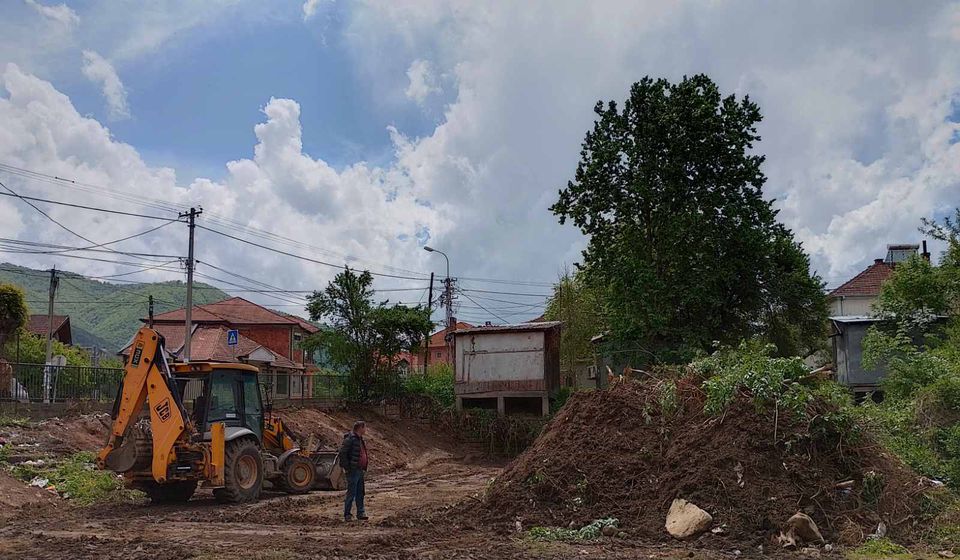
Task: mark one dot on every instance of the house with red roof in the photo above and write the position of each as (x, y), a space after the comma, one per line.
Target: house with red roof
(437, 350)
(852, 315)
(40, 325)
(268, 339)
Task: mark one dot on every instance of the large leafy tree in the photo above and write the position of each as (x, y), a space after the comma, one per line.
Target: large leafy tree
(13, 312)
(362, 336)
(683, 247)
(575, 303)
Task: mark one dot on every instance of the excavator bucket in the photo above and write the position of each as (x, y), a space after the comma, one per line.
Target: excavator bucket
(329, 474)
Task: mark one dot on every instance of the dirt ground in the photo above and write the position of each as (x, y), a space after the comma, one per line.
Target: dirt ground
(416, 475)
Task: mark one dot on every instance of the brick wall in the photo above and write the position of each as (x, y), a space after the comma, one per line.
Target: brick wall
(275, 337)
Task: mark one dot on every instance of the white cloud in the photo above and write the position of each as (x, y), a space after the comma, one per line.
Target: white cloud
(422, 81)
(61, 13)
(99, 71)
(367, 213)
(310, 8)
(857, 128)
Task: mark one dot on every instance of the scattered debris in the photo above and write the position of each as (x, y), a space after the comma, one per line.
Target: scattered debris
(685, 520)
(40, 482)
(739, 472)
(800, 528)
(880, 533)
(810, 552)
(946, 554)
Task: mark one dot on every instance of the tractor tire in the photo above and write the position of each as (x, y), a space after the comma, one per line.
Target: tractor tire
(299, 475)
(176, 492)
(242, 473)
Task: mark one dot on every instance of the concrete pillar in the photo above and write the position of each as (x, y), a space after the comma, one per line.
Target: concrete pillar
(545, 406)
(459, 404)
(501, 407)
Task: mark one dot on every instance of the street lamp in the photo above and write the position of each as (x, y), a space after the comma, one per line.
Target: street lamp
(447, 289)
(429, 249)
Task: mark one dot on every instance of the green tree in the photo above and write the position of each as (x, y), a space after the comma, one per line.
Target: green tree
(576, 304)
(683, 248)
(13, 312)
(362, 336)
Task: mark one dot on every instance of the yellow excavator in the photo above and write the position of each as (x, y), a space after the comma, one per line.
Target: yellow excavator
(225, 441)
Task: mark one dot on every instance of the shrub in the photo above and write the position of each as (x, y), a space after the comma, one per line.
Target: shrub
(436, 383)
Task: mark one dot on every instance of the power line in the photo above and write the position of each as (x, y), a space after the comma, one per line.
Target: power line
(485, 309)
(301, 257)
(61, 249)
(472, 290)
(81, 206)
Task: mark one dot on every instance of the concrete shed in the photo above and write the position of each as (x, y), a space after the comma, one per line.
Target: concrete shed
(509, 368)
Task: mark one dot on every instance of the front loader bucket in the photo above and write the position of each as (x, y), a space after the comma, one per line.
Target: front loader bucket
(329, 474)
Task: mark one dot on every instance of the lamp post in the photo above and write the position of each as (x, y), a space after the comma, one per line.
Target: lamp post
(447, 296)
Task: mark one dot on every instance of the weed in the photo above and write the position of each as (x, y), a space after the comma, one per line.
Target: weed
(77, 478)
(585, 533)
(4, 454)
(668, 398)
(880, 547)
(872, 487)
(13, 422)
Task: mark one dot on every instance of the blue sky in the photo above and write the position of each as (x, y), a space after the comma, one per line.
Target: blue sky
(364, 129)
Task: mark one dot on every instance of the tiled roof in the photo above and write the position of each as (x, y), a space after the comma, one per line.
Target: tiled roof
(233, 311)
(209, 344)
(868, 282)
(304, 324)
(521, 327)
(38, 324)
(437, 338)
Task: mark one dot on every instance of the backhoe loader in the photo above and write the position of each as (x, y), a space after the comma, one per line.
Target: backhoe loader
(224, 442)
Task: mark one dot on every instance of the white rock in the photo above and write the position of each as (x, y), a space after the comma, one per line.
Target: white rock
(685, 520)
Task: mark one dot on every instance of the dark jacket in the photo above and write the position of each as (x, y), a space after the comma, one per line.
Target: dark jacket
(350, 451)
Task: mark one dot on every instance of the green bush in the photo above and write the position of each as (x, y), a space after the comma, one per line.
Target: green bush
(750, 369)
(880, 547)
(436, 383)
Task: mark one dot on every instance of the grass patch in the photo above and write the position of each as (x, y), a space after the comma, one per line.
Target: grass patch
(883, 548)
(79, 480)
(13, 421)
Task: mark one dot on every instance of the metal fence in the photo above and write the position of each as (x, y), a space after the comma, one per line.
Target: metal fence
(38, 383)
(29, 382)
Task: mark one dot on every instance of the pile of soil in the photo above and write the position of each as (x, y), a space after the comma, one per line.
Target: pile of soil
(392, 443)
(14, 494)
(616, 453)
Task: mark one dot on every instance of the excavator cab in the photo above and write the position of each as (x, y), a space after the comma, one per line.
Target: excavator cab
(228, 394)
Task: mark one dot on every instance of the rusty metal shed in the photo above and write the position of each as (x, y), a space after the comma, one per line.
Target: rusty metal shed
(510, 368)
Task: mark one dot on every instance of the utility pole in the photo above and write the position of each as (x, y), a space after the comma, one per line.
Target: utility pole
(54, 280)
(426, 353)
(448, 301)
(191, 223)
(150, 310)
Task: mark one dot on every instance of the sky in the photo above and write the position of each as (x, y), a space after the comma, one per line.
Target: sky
(358, 132)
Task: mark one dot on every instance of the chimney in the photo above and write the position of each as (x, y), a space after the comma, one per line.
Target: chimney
(925, 254)
(877, 261)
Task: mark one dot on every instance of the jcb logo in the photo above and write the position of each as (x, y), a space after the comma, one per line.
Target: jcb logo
(137, 353)
(163, 410)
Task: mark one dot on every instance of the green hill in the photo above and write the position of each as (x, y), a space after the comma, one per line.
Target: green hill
(101, 313)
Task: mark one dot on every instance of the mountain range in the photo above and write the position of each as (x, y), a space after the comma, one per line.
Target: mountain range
(102, 314)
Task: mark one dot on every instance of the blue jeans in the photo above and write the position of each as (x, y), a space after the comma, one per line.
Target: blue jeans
(355, 491)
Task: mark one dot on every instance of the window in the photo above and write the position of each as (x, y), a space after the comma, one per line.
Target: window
(282, 386)
(297, 339)
(252, 406)
(439, 354)
(223, 399)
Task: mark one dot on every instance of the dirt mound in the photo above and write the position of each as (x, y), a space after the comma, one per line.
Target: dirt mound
(622, 453)
(392, 443)
(14, 493)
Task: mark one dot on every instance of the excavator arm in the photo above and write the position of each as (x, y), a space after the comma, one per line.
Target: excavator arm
(146, 379)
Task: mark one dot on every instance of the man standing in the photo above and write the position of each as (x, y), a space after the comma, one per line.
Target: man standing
(353, 459)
